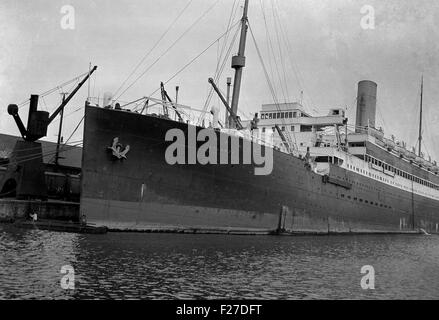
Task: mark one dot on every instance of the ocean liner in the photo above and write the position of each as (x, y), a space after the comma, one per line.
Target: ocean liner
(324, 177)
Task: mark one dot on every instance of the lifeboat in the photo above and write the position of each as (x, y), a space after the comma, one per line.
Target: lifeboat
(406, 153)
(427, 164)
(411, 156)
(389, 144)
(400, 149)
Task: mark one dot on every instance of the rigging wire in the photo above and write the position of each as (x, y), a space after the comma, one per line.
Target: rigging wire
(282, 60)
(170, 47)
(382, 119)
(34, 156)
(297, 73)
(71, 135)
(46, 147)
(231, 18)
(218, 70)
(68, 115)
(48, 92)
(218, 74)
(187, 64)
(94, 84)
(426, 150)
(76, 128)
(270, 63)
(44, 106)
(154, 46)
(270, 85)
(415, 108)
(270, 43)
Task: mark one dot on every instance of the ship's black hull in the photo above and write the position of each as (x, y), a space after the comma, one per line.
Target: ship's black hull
(144, 192)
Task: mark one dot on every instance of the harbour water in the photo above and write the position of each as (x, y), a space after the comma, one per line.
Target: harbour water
(186, 266)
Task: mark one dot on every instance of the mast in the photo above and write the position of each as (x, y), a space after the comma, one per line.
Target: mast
(88, 91)
(176, 94)
(229, 83)
(420, 117)
(58, 143)
(238, 62)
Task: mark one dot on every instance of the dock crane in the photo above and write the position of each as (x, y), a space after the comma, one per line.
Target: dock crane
(38, 120)
(25, 174)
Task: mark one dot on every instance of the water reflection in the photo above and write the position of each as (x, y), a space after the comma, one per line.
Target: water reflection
(31, 260)
(173, 266)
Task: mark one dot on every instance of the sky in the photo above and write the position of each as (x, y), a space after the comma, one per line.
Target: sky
(320, 48)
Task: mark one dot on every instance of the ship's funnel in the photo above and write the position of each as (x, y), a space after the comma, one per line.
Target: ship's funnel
(366, 105)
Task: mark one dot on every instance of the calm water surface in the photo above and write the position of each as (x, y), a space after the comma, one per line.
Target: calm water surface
(176, 266)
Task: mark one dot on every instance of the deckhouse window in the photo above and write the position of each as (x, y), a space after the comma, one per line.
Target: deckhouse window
(305, 128)
(4, 161)
(323, 159)
(356, 144)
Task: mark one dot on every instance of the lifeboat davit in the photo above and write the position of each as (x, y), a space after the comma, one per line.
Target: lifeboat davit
(434, 167)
